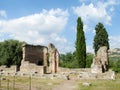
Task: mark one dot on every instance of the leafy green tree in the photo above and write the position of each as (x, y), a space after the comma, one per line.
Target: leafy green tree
(62, 59)
(116, 67)
(66, 60)
(80, 45)
(68, 57)
(74, 63)
(101, 37)
(11, 52)
(89, 59)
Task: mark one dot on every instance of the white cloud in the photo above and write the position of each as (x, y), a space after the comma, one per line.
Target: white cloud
(114, 41)
(95, 12)
(58, 39)
(90, 49)
(40, 28)
(91, 12)
(3, 13)
(68, 47)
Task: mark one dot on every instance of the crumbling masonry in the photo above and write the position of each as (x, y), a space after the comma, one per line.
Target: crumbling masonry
(100, 62)
(40, 59)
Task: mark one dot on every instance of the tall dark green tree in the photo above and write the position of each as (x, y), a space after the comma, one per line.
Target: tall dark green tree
(101, 37)
(80, 44)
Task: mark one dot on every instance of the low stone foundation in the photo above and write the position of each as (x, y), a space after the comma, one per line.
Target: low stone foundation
(85, 73)
(6, 71)
(66, 70)
(31, 68)
(65, 73)
(89, 75)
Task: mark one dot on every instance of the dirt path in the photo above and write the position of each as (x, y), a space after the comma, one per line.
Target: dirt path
(66, 85)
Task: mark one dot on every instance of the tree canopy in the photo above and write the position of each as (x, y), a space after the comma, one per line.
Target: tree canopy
(101, 37)
(11, 52)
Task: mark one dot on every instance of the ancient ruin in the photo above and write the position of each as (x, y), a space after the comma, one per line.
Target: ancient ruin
(43, 62)
(100, 62)
(39, 59)
(53, 58)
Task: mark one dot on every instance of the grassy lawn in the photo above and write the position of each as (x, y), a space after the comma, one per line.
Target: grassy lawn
(100, 84)
(23, 83)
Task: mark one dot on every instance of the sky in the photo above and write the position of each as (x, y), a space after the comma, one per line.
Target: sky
(40, 22)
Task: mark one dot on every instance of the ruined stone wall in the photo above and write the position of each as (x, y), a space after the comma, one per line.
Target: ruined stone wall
(34, 59)
(100, 62)
(7, 71)
(33, 54)
(103, 55)
(74, 70)
(53, 59)
(48, 58)
(85, 73)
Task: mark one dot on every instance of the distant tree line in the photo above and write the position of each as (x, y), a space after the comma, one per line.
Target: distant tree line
(68, 60)
(114, 64)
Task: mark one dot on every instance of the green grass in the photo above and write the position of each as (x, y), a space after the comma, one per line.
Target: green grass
(100, 84)
(23, 83)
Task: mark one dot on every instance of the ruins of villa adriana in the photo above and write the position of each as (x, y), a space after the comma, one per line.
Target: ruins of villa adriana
(43, 62)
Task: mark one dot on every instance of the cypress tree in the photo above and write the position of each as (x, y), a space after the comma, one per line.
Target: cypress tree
(80, 45)
(101, 37)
